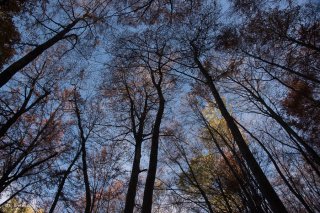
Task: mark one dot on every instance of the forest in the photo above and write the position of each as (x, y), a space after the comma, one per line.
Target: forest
(162, 106)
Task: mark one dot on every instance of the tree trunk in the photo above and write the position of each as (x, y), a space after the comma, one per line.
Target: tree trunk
(6, 126)
(132, 189)
(152, 170)
(83, 140)
(264, 184)
(10, 71)
(296, 138)
(250, 201)
(138, 136)
(290, 187)
(62, 182)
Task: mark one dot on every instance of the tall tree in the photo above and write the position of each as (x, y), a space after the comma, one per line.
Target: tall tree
(131, 92)
(200, 45)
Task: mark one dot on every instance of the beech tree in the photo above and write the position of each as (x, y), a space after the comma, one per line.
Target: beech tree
(132, 98)
(143, 90)
(159, 106)
(199, 47)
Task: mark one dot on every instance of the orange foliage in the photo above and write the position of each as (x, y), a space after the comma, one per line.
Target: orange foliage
(300, 104)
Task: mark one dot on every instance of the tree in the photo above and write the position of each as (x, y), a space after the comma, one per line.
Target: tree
(31, 118)
(87, 15)
(219, 184)
(111, 106)
(142, 77)
(15, 206)
(292, 35)
(198, 46)
(131, 91)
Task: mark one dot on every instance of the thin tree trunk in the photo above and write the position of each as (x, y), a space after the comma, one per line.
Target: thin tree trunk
(132, 189)
(296, 138)
(138, 135)
(298, 196)
(225, 198)
(250, 201)
(152, 170)
(83, 140)
(197, 185)
(10, 71)
(62, 182)
(6, 126)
